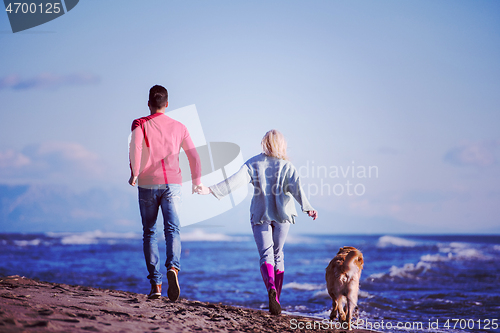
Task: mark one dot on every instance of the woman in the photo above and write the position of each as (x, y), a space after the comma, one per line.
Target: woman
(276, 182)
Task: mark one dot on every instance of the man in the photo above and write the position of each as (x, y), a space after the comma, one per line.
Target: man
(154, 162)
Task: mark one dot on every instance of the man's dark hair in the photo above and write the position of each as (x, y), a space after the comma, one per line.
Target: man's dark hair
(158, 97)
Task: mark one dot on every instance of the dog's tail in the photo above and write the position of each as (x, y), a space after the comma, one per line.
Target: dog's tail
(353, 260)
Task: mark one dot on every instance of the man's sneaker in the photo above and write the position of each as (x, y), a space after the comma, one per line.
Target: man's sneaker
(173, 285)
(155, 292)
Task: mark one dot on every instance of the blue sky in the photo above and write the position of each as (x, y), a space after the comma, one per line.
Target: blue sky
(410, 88)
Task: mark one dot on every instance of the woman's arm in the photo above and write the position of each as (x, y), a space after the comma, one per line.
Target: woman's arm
(228, 185)
(294, 187)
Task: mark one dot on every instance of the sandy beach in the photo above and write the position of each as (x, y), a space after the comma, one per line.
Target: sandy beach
(27, 305)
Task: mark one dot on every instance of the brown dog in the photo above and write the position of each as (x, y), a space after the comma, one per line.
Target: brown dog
(342, 281)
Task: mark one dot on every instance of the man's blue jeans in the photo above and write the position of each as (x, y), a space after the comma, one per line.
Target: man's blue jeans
(168, 197)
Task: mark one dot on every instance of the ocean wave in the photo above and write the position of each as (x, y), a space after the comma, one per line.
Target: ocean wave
(462, 251)
(389, 241)
(198, 235)
(304, 286)
(32, 242)
(79, 240)
(452, 247)
(324, 313)
(110, 238)
(25, 240)
(321, 294)
(92, 237)
(296, 239)
(436, 257)
(451, 253)
(470, 254)
(304, 311)
(409, 271)
(316, 261)
(365, 294)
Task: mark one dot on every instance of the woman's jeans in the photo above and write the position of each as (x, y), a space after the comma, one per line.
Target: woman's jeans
(270, 238)
(168, 197)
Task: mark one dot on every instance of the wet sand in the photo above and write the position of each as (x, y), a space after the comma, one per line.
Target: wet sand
(27, 305)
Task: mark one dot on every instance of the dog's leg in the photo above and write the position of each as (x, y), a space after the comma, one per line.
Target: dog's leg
(349, 314)
(333, 314)
(340, 308)
(352, 300)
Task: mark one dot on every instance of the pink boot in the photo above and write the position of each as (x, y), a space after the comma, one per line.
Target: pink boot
(267, 271)
(279, 282)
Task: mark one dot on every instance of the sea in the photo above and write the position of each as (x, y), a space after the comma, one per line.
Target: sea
(431, 283)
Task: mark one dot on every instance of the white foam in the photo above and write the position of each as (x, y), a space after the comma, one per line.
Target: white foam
(92, 237)
(317, 261)
(409, 270)
(451, 247)
(462, 251)
(296, 239)
(448, 252)
(436, 257)
(324, 294)
(471, 254)
(365, 294)
(386, 241)
(325, 313)
(302, 311)
(33, 242)
(82, 238)
(198, 235)
(376, 276)
(79, 240)
(304, 286)
(321, 294)
(304, 262)
(98, 236)
(300, 308)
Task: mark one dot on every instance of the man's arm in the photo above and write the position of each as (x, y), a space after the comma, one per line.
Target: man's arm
(194, 160)
(135, 153)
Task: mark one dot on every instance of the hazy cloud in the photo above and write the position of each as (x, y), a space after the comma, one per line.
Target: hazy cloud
(47, 81)
(70, 151)
(54, 161)
(13, 159)
(476, 154)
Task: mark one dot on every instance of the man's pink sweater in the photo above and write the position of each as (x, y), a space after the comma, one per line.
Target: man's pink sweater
(154, 151)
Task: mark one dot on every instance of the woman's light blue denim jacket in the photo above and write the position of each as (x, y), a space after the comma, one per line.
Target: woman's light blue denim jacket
(276, 182)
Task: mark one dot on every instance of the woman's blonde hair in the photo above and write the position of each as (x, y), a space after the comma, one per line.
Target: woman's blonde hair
(274, 144)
